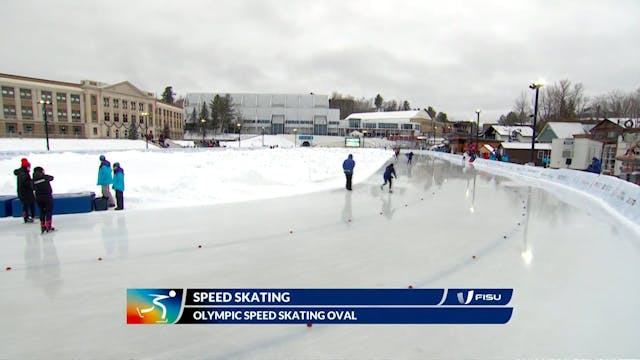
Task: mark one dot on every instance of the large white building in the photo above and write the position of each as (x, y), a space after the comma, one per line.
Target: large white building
(275, 113)
(385, 123)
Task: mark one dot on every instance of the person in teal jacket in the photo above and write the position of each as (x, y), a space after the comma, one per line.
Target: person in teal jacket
(105, 179)
(118, 185)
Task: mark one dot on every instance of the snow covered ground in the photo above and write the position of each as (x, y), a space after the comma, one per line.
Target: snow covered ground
(193, 176)
(573, 268)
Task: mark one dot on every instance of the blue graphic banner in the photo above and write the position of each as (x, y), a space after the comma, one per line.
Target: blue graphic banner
(322, 306)
(337, 315)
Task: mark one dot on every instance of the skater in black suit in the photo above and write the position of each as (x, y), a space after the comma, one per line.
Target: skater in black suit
(44, 197)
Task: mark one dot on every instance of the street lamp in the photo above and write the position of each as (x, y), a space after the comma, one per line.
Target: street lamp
(146, 129)
(364, 135)
(477, 127)
(295, 140)
(263, 136)
(239, 127)
(203, 121)
(46, 124)
(535, 85)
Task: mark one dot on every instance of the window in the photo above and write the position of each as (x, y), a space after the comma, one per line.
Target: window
(7, 91)
(25, 93)
(75, 99)
(95, 131)
(106, 116)
(11, 128)
(63, 130)
(62, 114)
(28, 128)
(108, 133)
(141, 106)
(125, 118)
(76, 130)
(116, 103)
(94, 116)
(117, 134)
(133, 105)
(387, 126)
(9, 110)
(61, 97)
(27, 112)
(116, 117)
(124, 104)
(94, 100)
(366, 125)
(75, 115)
(45, 95)
(612, 135)
(407, 126)
(105, 102)
(133, 119)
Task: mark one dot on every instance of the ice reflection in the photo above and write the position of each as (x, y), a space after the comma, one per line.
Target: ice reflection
(42, 263)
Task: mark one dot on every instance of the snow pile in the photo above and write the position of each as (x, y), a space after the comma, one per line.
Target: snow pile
(187, 177)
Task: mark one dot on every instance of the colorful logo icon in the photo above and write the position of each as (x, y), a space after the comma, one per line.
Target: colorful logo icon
(153, 306)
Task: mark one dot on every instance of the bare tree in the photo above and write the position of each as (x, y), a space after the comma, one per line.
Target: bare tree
(522, 108)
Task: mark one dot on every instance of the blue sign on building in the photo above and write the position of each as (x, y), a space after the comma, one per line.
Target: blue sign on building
(305, 137)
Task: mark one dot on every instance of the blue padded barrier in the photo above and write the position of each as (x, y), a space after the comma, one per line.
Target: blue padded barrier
(5, 205)
(72, 203)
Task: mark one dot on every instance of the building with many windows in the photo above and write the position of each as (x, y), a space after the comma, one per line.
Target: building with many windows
(385, 123)
(275, 113)
(88, 109)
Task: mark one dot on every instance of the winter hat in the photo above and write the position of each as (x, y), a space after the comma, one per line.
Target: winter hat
(102, 157)
(116, 164)
(38, 169)
(25, 163)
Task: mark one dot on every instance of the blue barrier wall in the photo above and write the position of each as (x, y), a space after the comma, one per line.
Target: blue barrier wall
(5, 205)
(73, 203)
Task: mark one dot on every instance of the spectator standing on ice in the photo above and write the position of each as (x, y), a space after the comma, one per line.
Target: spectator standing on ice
(348, 166)
(44, 197)
(105, 179)
(388, 172)
(118, 185)
(25, 190)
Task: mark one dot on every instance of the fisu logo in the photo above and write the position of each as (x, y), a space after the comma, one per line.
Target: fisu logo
(466, 301)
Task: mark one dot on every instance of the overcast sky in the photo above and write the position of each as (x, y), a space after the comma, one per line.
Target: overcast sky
(456, 56)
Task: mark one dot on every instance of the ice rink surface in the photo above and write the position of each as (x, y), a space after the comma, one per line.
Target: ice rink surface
(573, 267)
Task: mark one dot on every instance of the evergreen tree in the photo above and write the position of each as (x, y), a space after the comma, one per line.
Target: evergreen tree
(431, 112)
(133, 130)
(378, 102)
(204, 113)
(167, 95)
(406, 106)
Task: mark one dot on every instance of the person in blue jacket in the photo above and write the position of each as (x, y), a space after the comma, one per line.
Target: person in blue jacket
(348, 166)
(595, 167)
(105, 179)
(387, 176)
(118, 185)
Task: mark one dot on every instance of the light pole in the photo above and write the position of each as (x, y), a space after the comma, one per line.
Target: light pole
(364, 135)
(535, 85)
(46, 124)
(295, 140)
(477, 128)
(263, 136)
(146, 129)
(239, 127)
(203, 121)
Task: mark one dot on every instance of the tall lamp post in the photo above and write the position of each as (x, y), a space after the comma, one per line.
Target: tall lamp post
(146, 129)
(477, 128)
(536, 85)
(295, 140)
(263, 136)
(239, 127)
(203, 122)
(46, 124)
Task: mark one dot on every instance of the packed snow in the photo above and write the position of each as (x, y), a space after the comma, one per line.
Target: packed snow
(163, 178)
